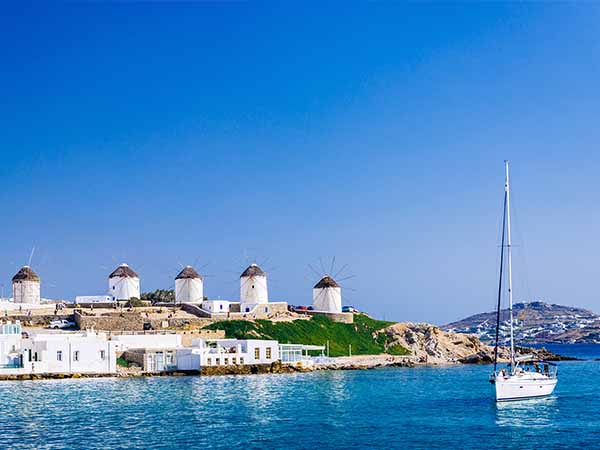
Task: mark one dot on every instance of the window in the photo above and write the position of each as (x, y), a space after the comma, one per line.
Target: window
(76, 355)
(233, 360)
(268, 352)
(257, 353)
(169, 358)
(218, 361)
(102, 355)
(209, 362)
(226, 361)
(241, 360)
(266, 309)
(59, 355)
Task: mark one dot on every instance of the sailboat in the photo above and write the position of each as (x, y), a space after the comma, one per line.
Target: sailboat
(525, 376)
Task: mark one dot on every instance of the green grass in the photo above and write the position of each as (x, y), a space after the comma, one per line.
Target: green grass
(122, 362)
(362, 335)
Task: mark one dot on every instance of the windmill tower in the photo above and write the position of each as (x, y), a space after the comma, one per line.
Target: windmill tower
(189, 286)
(327, 295)
(253, 288)
(26, 286)
(123, 283)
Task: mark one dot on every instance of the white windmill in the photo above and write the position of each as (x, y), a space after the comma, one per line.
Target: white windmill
(327, 293)
(189, 286)
(26, 286)
(253, 288)
(123, 283)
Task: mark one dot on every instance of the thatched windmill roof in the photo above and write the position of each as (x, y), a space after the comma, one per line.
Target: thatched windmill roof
(123, 271)
(187, 273)
(26, 274)
(326, 282)
(253, 271)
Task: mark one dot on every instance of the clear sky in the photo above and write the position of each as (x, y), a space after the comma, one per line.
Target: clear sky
(165, 134)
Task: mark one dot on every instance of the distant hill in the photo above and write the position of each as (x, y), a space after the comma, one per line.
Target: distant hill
(536, 323)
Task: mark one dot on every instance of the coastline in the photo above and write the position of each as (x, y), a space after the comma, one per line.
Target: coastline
(357, 362)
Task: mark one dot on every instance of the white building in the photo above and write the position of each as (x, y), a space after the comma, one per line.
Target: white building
(26, 286)
(10, 345)
(189, 287)
(253, 288)
(93, 299)
(123, 283)
(327, 295)
(216, 306)
(125, 342)
(64, 353)
(227, 352)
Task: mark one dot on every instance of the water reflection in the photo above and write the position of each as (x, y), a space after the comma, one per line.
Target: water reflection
(532, 413)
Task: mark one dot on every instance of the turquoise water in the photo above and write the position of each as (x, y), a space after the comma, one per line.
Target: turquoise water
(422, 408)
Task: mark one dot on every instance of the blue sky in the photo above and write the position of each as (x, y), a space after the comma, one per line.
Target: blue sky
(165, 134)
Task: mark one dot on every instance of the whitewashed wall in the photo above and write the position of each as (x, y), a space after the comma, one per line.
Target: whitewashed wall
(26, 291)
(124, 288)
(189, 290)
(216, 306)
(328, 299)
(69, 353)
(10, 348)
(150, 341)
(253, 291)
(202, 355)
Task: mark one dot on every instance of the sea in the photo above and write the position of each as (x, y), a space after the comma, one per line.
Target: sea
(405, 408)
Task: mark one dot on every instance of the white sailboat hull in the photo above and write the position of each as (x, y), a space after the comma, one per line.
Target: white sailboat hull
(522, 386)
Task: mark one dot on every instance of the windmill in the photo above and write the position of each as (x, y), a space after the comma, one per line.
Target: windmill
(123, 283)
(189, 286)
(253, 288)
(327, 292)
(26, 284)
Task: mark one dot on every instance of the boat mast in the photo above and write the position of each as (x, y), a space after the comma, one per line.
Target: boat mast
(499, 305)
(509, 255)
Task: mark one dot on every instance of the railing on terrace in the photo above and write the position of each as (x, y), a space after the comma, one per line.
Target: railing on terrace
(11, 366)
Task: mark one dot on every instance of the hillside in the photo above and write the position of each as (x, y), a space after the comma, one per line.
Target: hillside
(363, 335)
(367, 337)
(535, 323)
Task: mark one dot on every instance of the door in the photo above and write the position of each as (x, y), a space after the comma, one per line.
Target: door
(160, 362)
(150, 363)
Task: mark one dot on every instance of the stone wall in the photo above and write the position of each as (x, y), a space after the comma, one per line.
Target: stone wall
(248, 369)
(335, 317)
(188, 336)
(195, 310)
(158, 324)
(125, 321)
(41, 320)
(135, 357)
(134, 321)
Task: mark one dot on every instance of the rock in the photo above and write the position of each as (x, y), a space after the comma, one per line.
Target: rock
(432, 345)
